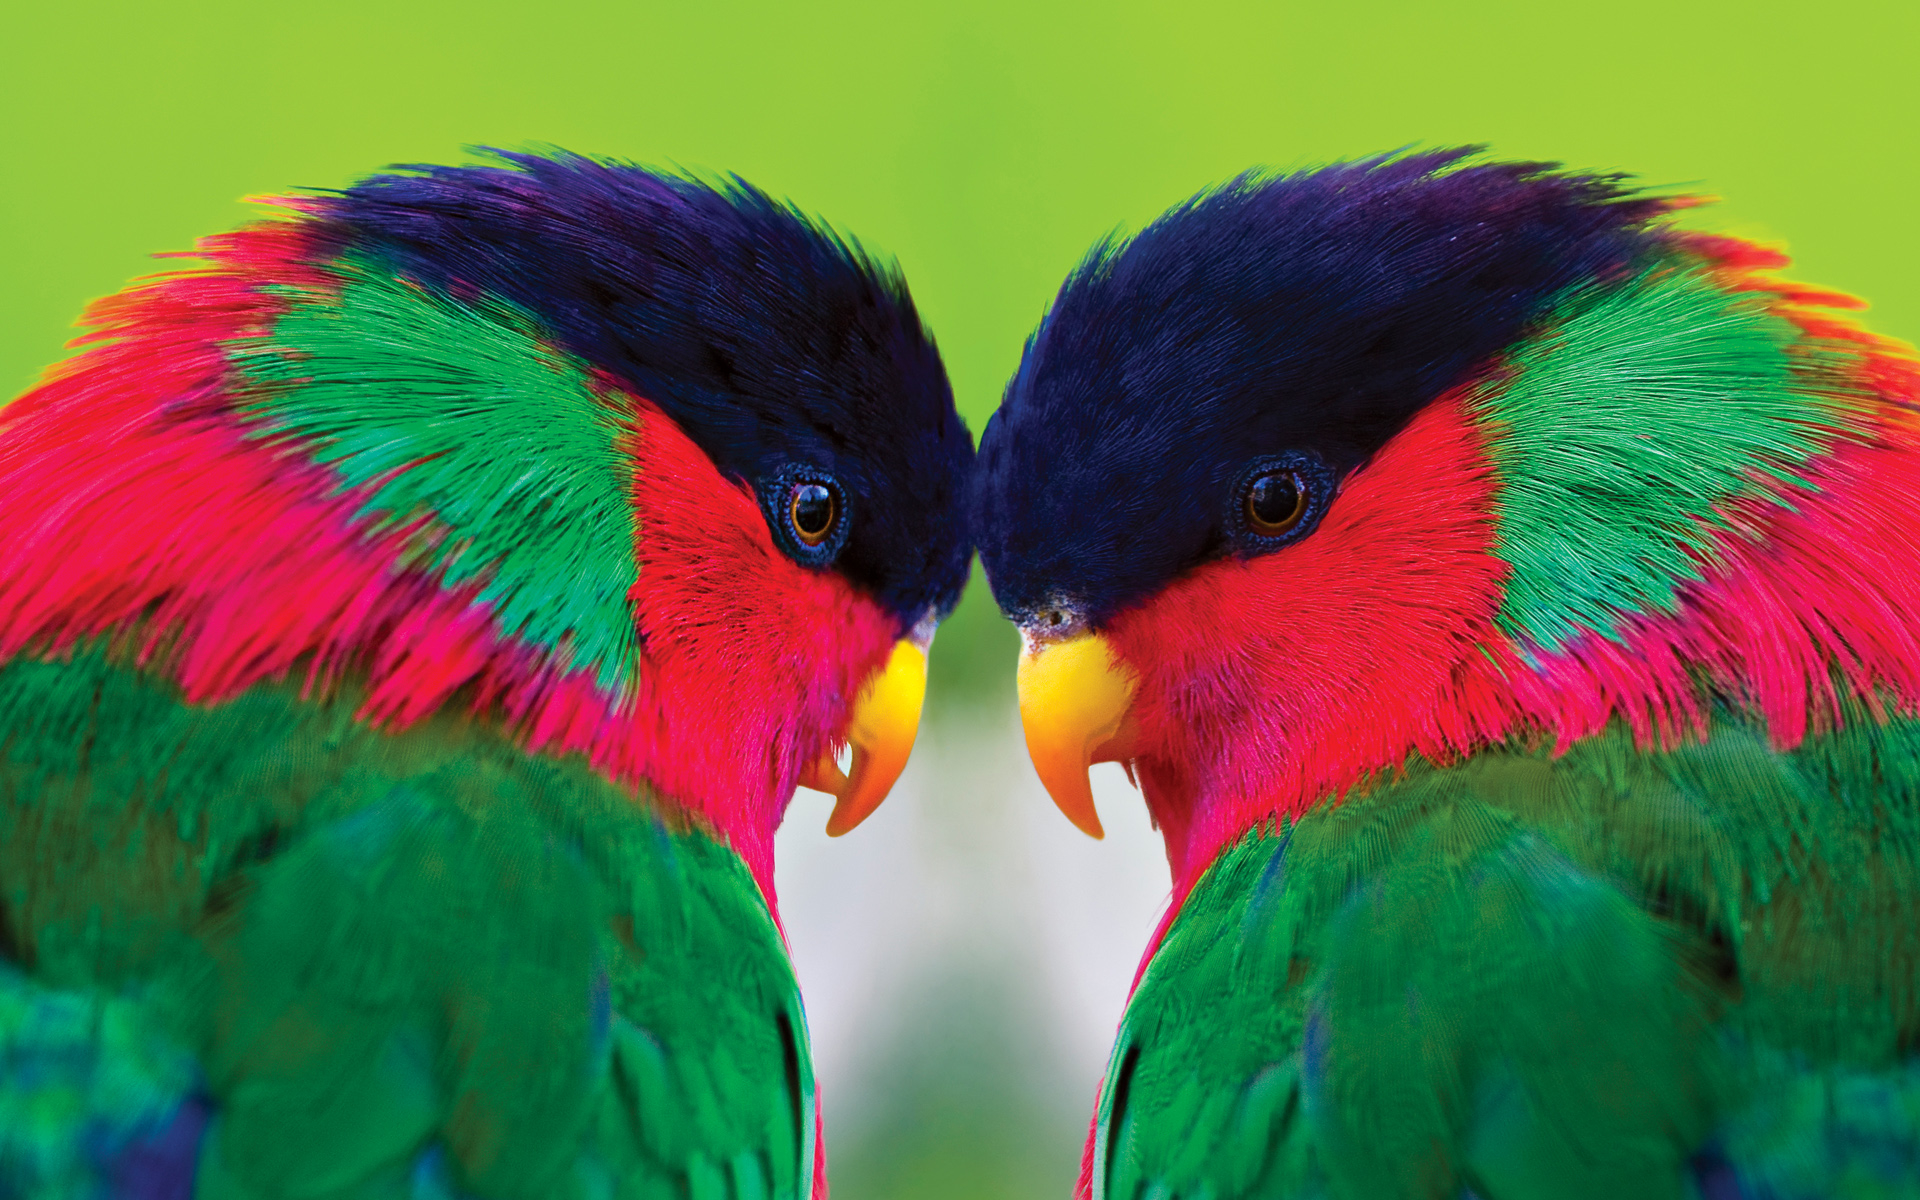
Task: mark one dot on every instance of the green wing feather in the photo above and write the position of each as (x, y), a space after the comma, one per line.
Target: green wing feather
(462, 412)
(433, 955)
(1611, 973)
(1596, 518)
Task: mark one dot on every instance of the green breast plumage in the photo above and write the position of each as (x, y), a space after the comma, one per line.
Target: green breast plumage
(437, 956)
(1612, 973)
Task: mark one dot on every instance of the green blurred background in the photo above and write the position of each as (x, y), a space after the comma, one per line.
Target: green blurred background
(985, 145)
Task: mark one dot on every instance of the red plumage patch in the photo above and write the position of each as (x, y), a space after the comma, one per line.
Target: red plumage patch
(1269, 681)
(750, 658)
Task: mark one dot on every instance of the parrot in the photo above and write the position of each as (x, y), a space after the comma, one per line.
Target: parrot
(417, 615)
(1504, 596)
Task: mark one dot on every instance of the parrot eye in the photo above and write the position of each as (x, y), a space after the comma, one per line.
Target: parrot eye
(1276, 502)
(1279, 500)
(806, 510)
(811, 511)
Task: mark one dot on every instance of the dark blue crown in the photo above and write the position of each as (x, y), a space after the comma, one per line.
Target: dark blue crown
(775, 343)
(1309, 315)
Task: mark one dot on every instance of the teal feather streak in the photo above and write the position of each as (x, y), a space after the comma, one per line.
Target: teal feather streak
(380, 948)
(1552, 977)
(1620, 432)
(460, 412)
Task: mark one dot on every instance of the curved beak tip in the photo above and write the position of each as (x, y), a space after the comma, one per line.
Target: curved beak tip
(1065, 778)
(1074, 700)
(886, 719)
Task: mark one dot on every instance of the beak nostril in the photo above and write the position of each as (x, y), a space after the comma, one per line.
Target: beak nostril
(1048, 622)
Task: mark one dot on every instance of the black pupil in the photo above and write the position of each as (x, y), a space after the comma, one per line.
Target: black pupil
(812, 509)
(1275, 499)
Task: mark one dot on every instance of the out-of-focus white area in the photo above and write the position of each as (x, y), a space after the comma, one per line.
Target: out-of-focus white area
(967, 918)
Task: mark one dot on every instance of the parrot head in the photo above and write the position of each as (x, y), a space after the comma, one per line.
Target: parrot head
(657, 471)
(1401, 456)
(798, 470)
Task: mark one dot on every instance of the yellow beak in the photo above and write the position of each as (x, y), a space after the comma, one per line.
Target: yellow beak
(1074, 697)
(886, 716)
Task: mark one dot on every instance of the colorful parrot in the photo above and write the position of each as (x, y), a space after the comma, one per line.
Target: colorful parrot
(414, 624)
(1507, 602)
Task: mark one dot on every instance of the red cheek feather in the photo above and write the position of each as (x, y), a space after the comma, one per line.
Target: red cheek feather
(750, 659)
(1268, 683)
